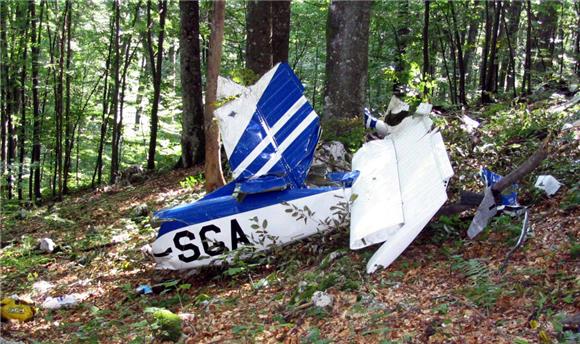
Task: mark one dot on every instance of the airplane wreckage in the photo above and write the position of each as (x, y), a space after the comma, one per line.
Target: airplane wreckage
(270, 132)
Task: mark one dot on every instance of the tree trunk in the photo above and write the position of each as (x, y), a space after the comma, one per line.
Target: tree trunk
(402, 37)
(577, 42)
(426, 45)
(510, 66)
(192, 136)
(527, 79)
(547, 28)
(213, 170)
(140, 91)
(453, 53)
(452, 95)
(105, 112)
(156, 72)
(347, 61)
(59, 112)
(508, 75)
(115, 93)
(491, 79)
(12, 94)
(460, 62)
(23, 122)
(4, 79)
(69, 132)
(280, 30)
(486, 46)
(259, 36)
(35, 38)
(121, 79)
(470, 47)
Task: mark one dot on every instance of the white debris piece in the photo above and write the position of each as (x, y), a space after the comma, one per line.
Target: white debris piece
(227, 88)
(486, 210)
(548, 183)
(424, 109)
(396, 106)
(46, 245)
(469, 124)
(409, 190)
(63, 301)
(378, 210)
(119, 238)
(42, 287)
(321, 299)
(566, 105)
(186, 316)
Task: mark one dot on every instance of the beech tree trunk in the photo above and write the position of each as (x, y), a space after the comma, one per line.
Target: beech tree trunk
(59, 112)
(4, 79)
(491, 78)
(507, 73)
(470, 47)
(35, 36)
(426, 62)
(156, 72)
(547, 29)
(259, 36)
(402, 37)
(527, 78)
(69, 131)
(214, 177)
(23, 122)
(192, 135)
(105, 112)
(577, 41)
(460, 62)
(115, 92)
(347, 61)
(140, 91)
(486, 46)
(280, 30)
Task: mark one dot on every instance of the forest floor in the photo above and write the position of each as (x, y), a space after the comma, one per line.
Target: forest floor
(444, 288)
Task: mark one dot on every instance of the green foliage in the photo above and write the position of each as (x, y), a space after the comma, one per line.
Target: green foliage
(447, 227)
(244, 76)
(508, 124)
(480, 290)
(192, 182)
(314, 337)
(166, 324)
(349, 131)
(572, 199)
(506, 224)
(574, 247)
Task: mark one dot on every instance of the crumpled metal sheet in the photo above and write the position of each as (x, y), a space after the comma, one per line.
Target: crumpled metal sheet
(416, 177)
(485, 212)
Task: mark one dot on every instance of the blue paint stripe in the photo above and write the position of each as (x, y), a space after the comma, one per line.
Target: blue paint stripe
(253, 134)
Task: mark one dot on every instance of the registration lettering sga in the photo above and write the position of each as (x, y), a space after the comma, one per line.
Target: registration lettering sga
(183, 241)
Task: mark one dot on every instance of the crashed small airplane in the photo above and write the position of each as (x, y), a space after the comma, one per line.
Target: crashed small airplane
(270, 133)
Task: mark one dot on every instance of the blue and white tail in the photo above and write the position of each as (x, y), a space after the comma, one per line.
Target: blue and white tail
(270, 129)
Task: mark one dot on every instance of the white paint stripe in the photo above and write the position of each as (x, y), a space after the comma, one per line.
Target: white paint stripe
(287, 142)
(270, 136)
